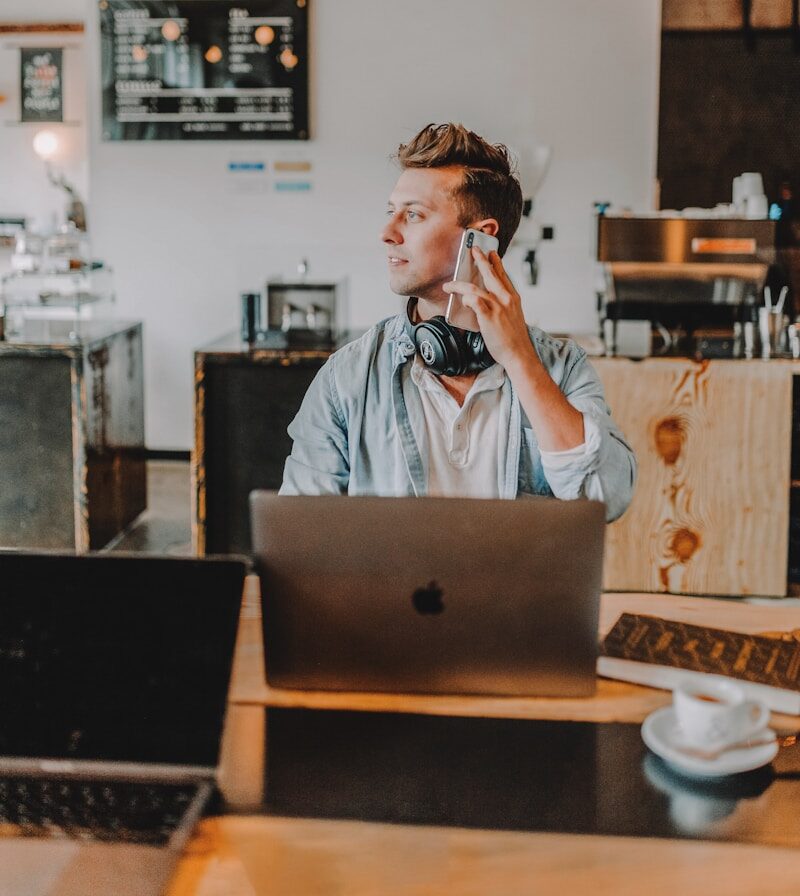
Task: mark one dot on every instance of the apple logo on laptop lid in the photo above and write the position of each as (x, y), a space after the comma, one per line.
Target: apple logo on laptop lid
(428, 600)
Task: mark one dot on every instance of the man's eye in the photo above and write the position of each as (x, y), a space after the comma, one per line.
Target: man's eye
(412, 214)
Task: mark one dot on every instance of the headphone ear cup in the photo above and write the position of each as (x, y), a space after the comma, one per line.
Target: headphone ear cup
(442, 349)
(480, 356)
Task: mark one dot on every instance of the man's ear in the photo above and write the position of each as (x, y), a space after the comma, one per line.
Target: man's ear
(487, 225)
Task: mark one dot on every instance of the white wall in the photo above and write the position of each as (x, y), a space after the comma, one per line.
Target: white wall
(580, 75)
(24, 188)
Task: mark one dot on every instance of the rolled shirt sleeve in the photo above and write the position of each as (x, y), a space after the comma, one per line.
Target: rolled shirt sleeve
(573, 473)
(604, 466)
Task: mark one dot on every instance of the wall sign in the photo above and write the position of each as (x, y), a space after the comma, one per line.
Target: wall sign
(204, 70)
(41, 84)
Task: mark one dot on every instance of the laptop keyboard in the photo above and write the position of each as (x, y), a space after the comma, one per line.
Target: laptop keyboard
(112, 811)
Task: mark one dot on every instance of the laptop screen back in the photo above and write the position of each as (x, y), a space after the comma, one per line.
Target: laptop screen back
(116, 658)
(430, 595)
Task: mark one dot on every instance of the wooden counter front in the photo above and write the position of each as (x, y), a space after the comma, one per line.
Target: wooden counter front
(713, 440)
(245, 397)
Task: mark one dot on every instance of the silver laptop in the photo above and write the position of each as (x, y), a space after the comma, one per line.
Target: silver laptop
(429, 595)
(115, 675)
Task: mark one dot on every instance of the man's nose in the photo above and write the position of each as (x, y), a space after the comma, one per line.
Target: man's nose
(391, 233)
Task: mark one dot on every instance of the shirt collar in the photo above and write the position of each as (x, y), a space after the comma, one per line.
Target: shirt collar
(401, 331)
(491, 378)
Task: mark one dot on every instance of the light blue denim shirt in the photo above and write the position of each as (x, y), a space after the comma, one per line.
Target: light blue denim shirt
(354, 432)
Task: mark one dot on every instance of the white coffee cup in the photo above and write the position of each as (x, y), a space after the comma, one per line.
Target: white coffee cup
(756, 206)
(715, 713)
(737, 193)
(752, 184)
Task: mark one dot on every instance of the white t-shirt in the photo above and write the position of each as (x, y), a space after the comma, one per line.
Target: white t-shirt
(466, 444)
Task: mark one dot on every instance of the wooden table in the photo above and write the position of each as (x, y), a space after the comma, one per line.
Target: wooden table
(247, 854)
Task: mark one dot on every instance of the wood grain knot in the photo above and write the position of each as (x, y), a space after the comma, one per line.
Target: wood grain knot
(683, 544)
(670, 436)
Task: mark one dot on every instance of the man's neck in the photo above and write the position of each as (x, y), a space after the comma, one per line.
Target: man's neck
(425, 309)
(459, 386)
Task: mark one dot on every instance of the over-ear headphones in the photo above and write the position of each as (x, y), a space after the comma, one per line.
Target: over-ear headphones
(447, 350)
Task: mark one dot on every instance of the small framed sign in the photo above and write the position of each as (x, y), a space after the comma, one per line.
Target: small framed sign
(41, 84)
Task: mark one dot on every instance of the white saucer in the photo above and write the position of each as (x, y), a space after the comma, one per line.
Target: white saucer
(660, 731)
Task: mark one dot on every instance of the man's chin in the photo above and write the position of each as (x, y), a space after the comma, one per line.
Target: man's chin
(419, 290)
(401, 287)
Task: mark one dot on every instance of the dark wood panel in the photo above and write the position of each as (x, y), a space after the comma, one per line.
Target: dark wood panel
(725, 109)
(247, 406)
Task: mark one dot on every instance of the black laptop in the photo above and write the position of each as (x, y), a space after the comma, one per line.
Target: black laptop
(115, 672)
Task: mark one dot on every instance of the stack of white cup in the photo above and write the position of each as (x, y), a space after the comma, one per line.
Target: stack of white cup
(749, 198)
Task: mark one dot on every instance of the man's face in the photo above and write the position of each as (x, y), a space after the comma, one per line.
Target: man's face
(422, 233)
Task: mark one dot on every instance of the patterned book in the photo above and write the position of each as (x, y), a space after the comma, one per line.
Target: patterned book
(662, 652)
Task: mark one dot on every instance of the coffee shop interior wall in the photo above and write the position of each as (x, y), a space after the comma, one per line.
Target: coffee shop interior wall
(185, 239)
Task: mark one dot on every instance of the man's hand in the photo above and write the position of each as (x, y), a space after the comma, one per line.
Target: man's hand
(498, 308)
(557, 424)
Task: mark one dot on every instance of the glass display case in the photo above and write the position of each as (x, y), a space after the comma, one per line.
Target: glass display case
(53, 287)
(38, 304)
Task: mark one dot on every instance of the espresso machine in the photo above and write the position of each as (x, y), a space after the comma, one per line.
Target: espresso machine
(685, 286)
(300, 312)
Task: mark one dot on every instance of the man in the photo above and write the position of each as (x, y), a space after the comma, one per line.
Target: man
(529, 417)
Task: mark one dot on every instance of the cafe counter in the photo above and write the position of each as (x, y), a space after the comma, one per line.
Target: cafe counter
(716, 510)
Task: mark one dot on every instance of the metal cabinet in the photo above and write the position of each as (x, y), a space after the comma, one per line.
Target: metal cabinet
(72, 461)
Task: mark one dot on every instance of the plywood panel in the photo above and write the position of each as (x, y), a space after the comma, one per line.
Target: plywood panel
(771, 13)
(719, 15)
(711, 510)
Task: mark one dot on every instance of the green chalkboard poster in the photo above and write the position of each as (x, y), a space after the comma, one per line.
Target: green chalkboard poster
(41, 84)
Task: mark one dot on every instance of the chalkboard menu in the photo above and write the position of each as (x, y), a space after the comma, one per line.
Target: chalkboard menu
(41, 84)
(204, 70)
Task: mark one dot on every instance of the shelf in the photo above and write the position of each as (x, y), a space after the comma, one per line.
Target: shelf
(83, 271)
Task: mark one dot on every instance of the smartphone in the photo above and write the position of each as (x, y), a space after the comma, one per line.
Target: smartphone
(457, 313)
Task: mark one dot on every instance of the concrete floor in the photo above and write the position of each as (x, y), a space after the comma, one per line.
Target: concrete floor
(165, 527)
